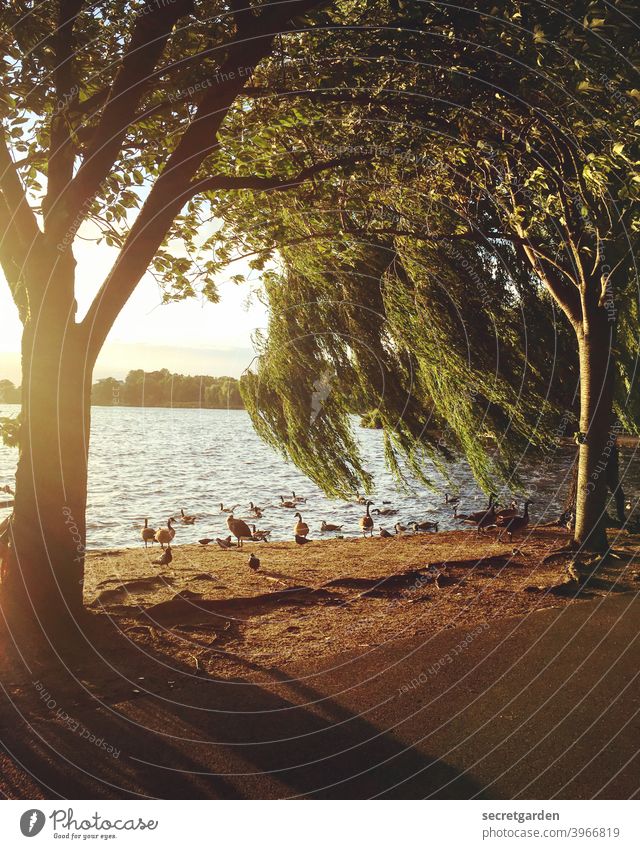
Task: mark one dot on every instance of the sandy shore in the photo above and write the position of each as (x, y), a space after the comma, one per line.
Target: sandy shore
(344, 668)
(210, 609)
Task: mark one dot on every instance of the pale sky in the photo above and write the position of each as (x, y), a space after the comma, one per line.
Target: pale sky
(190, 337)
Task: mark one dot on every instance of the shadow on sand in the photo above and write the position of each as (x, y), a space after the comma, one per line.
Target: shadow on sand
(121, 721)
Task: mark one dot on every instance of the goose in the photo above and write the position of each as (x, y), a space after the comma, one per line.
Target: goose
(386, 511)
(260, 536)
(254, 563)
(205, 541)
(508, 512)
(399, 529)
(301, 540)
(165, 558)
(148, 534)
(360, 499)
(300, 529)
(239, 529)
(186, 520)
(286, 503)
(366, 522)
(224, 509)
(425, 526)
(453, 500)
(298, 498)
(385, 534)
(488, 520)
(479, 514)
(225, 543)
(165, 535)
(326, 526)
(481, 518)
(514, 524)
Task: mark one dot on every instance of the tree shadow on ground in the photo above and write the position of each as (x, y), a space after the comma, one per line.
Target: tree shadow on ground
(122, 719)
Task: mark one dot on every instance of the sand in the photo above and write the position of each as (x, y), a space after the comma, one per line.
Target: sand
(211, 610)
(183, 673)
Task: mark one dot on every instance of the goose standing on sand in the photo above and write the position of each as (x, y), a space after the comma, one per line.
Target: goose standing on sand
(481, 518)
(488, 520)
(239, 529)
(254, 563)
(300, 529)
(165, 535)
(326, 526)
(165, 558)
(225, 543)
(187, 520)
(366, 522)
(515, 524)
(385, 534)
(259, 536)
(301, 540)
(148, 534)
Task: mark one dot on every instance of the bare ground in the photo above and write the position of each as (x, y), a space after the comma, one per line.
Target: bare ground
(157, 640)
(209, 608)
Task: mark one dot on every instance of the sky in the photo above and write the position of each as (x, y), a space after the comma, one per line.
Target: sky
(190, 337)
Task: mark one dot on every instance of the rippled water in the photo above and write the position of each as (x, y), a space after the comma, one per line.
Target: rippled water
(151, 462)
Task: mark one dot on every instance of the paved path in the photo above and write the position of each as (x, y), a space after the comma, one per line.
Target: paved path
(536, 708)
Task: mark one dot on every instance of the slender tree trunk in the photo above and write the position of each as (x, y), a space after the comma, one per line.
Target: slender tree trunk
(595, 344)
(44, 570)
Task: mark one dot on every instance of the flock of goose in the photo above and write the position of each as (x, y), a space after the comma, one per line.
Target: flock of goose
(504, 519)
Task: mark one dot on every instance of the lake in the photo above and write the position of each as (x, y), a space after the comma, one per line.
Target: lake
(151, 462)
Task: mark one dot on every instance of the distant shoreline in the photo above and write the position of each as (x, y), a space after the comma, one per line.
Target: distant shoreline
(161, 389)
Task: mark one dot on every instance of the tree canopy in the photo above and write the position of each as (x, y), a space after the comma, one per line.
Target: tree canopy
(498, 180)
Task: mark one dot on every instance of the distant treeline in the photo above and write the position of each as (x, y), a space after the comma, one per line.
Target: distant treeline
(9, 394)
(154, 389)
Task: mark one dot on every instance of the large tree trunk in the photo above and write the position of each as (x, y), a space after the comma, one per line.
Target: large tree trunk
(44, 571)
(597, 436)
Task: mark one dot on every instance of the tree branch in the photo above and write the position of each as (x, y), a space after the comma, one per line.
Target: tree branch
(222, 182)
(171, 189)
(10, 258)
(22, 216)
(150, 35)
(243, 15)
(62, 150)
(468, 235)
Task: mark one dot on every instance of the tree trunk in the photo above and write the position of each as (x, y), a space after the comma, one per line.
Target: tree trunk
(44, 568)
(597, 435)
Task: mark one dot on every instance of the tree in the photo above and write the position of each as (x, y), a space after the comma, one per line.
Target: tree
(119, 120)
(106, 392)
(8, 393)
(516, 137)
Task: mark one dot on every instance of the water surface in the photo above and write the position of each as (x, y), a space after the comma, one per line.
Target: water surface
(151, 462)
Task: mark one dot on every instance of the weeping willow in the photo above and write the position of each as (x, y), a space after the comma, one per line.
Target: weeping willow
(426, 336)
